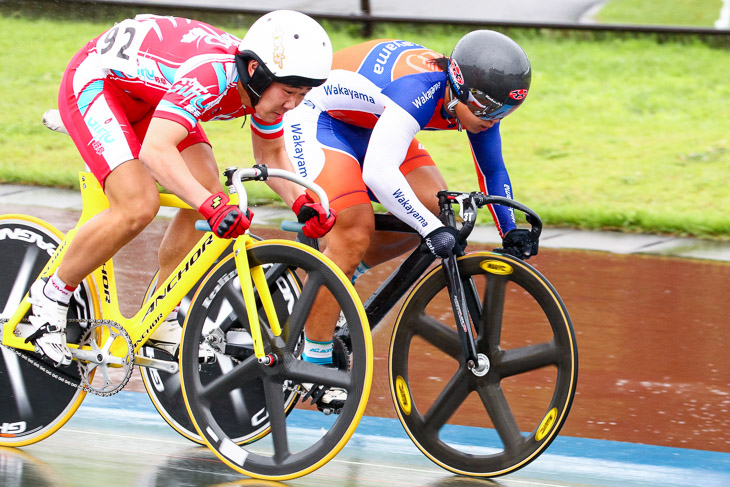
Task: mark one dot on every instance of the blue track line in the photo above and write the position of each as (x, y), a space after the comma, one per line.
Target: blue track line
(568, 459)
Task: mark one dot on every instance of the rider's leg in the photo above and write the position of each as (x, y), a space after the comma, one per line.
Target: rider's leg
(181, 236)
(345, 244)
(86, 97)
(133, 203)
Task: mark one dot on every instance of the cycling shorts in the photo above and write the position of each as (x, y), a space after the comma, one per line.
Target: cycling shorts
(331, 153)
(106, 124)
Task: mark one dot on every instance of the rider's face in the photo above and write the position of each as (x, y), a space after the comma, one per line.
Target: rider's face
(471, 122)
(278, 99)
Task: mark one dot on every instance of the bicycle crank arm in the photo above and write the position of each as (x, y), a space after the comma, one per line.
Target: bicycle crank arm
(95, 357)
(168, 366)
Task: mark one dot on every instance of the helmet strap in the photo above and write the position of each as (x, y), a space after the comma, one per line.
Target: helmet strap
(256, 83)
(451, 107)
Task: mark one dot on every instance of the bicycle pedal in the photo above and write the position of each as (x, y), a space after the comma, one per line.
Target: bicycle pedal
(328, 411)
(206, 360)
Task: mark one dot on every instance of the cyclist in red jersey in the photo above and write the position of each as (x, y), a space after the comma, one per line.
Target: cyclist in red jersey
(355, 137)
(132, 100)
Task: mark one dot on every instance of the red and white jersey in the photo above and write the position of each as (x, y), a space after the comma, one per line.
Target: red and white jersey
(182, 69)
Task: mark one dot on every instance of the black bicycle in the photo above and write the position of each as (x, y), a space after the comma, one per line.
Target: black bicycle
(482, 339)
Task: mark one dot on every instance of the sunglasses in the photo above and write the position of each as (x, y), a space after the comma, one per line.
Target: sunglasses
(486, 107)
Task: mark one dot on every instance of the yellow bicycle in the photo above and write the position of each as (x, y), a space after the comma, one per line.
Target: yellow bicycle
(238, 317)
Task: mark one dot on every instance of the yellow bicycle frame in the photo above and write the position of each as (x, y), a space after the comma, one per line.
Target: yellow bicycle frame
(194, 266)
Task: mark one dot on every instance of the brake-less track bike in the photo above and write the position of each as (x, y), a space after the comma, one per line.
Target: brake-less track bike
(237, 317)
(482, 339)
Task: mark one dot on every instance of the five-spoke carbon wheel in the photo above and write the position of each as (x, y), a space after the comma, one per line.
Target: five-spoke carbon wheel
(249, 419)
(306, 439)
(519, 395)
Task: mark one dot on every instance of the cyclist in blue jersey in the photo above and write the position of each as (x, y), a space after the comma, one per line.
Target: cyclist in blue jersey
(355, 137)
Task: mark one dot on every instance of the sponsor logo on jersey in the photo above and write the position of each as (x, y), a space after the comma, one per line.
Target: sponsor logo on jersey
(98, 147)
(343, 90)
(193, 93)
(298, 155)
(101, 133)
(406, 204)
(385, 52)
(421, 100)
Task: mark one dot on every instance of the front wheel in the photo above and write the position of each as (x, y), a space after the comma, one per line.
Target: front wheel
(517, 401)
(306, 439)
(248, 423)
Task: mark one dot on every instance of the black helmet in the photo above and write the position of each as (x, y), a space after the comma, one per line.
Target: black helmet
(490, 73)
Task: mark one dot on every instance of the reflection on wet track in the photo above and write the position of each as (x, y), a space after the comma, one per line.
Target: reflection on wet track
(121, 441)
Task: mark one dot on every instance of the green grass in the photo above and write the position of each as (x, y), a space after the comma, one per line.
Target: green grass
(696, 13)
(619, 132)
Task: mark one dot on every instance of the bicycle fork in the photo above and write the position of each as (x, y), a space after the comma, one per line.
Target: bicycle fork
(476, 362)
(250, 277)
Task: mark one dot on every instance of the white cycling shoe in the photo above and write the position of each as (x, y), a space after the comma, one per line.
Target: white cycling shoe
(327, 399)
(49, 325)
(167, 335)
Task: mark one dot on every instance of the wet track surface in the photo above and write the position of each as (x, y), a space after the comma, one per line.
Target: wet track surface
(651, 407)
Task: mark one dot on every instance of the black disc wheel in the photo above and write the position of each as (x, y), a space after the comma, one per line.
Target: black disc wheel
(34, 404)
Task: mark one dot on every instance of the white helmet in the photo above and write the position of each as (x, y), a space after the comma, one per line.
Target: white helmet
(290, 48)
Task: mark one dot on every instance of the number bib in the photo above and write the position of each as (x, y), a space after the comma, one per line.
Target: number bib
(119, 46)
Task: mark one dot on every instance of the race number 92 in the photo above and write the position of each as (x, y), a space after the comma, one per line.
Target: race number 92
(113, 38)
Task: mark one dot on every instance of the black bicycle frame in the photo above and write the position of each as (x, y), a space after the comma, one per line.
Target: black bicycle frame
(412, 268)
(400, 281)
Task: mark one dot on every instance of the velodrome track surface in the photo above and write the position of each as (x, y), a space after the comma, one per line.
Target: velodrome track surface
(651, 408)
(121, 441)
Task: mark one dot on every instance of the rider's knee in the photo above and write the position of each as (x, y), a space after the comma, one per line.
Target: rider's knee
(139, 213)
(348, 248)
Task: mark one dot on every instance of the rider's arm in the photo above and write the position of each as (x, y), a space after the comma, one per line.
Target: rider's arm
(492, 174)
(176, 114)
(272, 152)
(160, 156)
(386, 151)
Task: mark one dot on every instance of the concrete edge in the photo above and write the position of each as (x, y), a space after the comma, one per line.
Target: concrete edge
(557, 238)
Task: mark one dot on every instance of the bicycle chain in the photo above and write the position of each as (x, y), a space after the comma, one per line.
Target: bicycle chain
(65, 378)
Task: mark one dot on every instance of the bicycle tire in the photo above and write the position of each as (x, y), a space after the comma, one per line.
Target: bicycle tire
(164, 389)
(522, 401)
(34, 404)
(306, 439)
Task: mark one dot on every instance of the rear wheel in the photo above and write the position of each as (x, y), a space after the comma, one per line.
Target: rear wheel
(248, 421)
(519, 401)
(34, 404)
(306, 439)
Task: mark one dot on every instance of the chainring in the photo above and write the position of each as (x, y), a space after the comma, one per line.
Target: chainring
(115, 369)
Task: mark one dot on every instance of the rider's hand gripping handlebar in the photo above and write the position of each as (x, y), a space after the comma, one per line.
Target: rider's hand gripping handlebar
(469, 203)
(235, 178)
